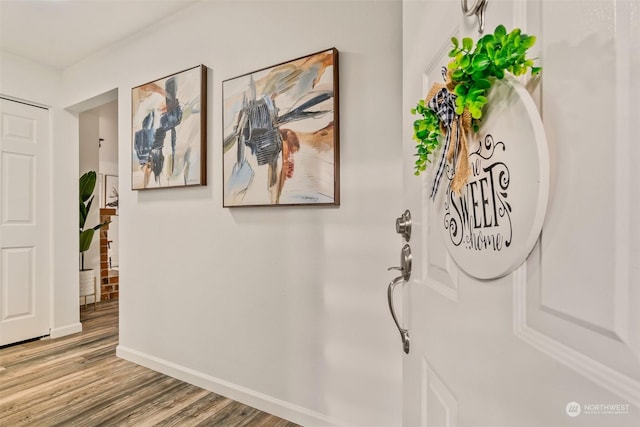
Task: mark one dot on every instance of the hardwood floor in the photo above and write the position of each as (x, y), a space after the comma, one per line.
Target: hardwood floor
(77, 380)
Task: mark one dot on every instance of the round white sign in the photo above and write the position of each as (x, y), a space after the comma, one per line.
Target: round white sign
(491, 228)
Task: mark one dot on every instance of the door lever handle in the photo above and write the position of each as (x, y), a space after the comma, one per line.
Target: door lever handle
(404, 334)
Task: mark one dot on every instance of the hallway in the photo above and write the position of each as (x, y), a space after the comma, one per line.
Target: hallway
(78, 380)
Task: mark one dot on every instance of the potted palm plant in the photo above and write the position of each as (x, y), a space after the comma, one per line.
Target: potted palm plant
(87, 276)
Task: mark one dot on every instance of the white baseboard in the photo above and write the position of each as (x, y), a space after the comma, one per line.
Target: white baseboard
(263, 402)
(66, 330)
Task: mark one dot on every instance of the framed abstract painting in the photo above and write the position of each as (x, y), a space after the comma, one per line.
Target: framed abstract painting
(281, 134)
(111, 192)
(169, 131)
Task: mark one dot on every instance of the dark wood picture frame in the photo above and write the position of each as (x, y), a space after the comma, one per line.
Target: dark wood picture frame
(169, 131)
(281, 134)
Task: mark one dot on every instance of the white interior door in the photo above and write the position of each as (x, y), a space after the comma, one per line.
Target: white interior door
(24, 222)
(557, 342)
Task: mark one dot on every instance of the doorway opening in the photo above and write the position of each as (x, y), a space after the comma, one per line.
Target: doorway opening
(98, 151)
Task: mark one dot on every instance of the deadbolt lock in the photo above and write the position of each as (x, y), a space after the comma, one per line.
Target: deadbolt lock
(403, 225)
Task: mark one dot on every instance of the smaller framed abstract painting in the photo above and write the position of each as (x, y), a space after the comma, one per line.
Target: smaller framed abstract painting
(281, 134)
(169, 131)
(111, 193)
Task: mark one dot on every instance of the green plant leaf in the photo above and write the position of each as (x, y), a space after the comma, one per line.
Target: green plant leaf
(517, 41)
(461, 90)
(528, 41)
(491, 52)
(467, 44)
(488, 38)
(480, 62)
(86, 237)
(476, 113)
(482, 84)
(465, 62)
(87, 185)
(473, 69)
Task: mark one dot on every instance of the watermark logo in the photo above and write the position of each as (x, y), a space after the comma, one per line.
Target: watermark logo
(573, 409)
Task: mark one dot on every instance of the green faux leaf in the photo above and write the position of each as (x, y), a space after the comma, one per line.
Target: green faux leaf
(473, 69)
(467, 44)
(464, 62)
(488, 38)
(513, 35)
(491, 52)
(476, 113)
(457, 75)
(528, 41)
(482, 84)
(477, 75)
(461, 90)
(480, 62)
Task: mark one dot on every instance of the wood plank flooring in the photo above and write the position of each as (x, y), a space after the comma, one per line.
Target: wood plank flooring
(77, 380)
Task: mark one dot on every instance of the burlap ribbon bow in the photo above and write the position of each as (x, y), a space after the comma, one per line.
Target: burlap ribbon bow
(441, 100)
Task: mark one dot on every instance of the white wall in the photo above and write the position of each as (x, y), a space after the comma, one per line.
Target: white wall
(26, 80)
(285, 308)
(108, 129)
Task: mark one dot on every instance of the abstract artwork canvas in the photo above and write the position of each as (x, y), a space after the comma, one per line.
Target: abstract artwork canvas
(111, 193)
(280, 142)
(169, 131)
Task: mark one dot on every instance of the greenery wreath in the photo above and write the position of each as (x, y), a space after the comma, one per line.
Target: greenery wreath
(470, 75)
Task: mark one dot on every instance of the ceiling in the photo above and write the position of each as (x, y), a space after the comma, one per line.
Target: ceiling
(60, 33)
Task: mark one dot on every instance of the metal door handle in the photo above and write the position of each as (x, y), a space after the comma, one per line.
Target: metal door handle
(404, 334)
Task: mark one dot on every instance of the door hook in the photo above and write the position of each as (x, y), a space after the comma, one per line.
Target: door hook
(477, 8)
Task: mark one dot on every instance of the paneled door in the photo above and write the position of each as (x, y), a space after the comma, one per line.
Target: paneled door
(24, 222)
(557, 341)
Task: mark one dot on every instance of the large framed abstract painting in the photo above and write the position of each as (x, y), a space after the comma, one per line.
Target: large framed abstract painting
(281, 134)
(169, 130)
